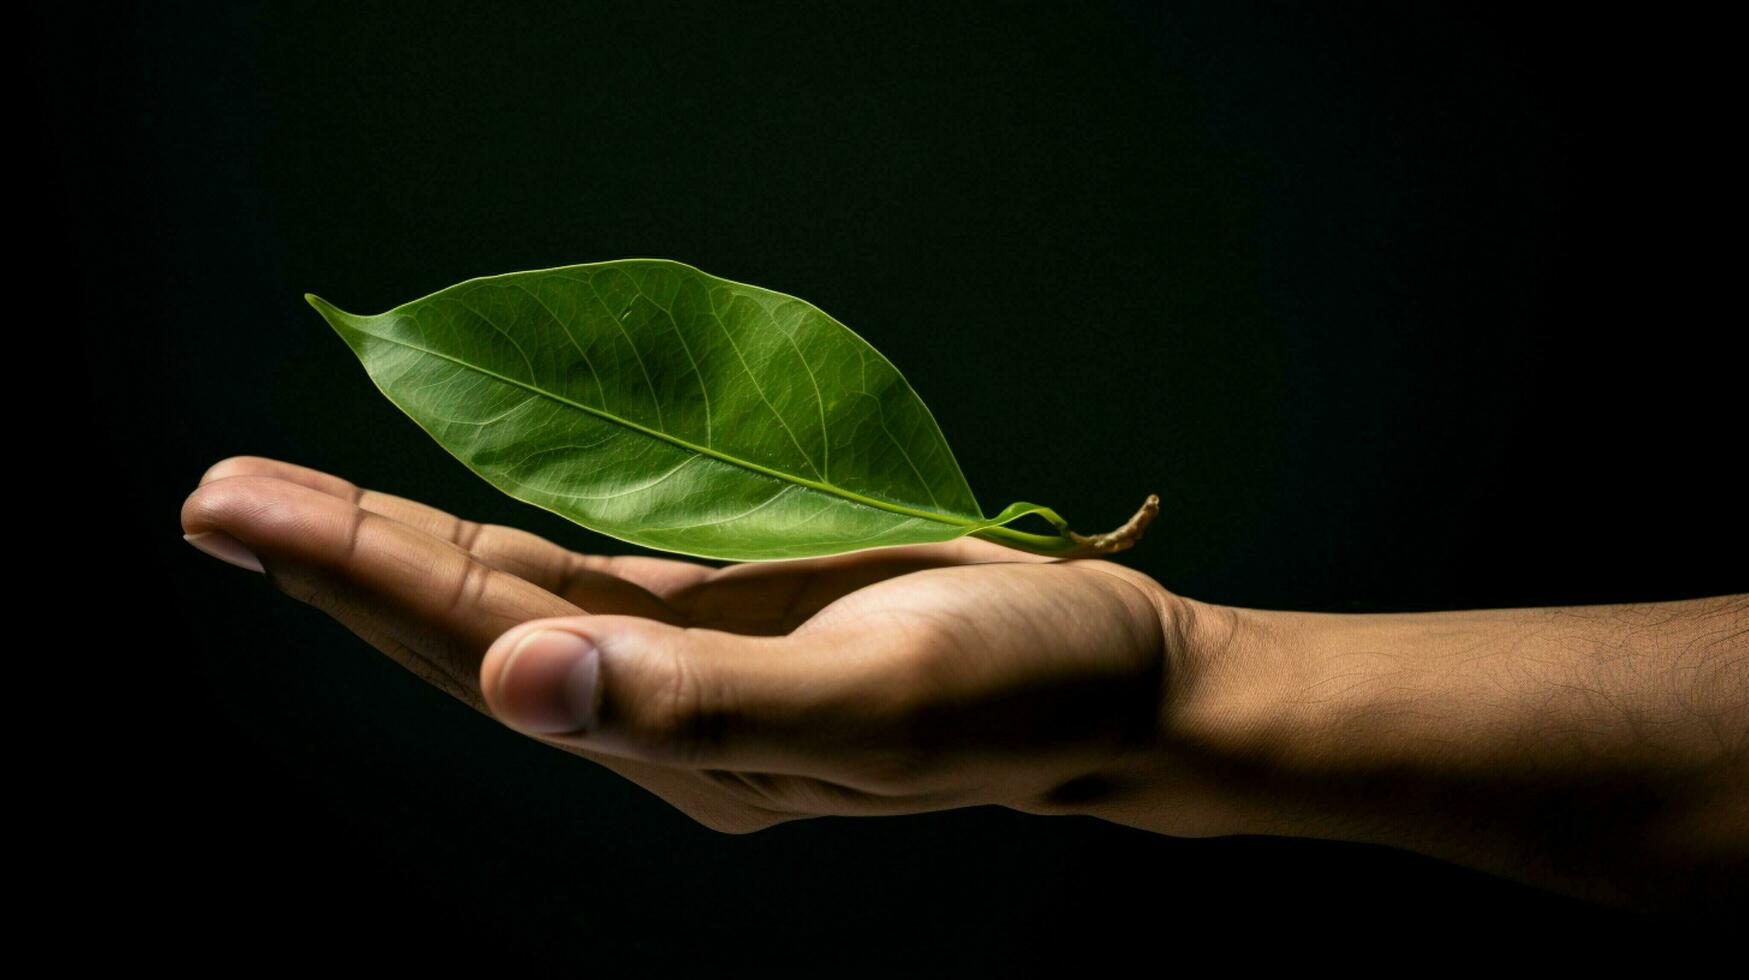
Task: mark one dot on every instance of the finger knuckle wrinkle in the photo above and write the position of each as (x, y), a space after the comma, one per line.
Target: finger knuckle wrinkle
(470, 587)
(468, 535)
(689, 722)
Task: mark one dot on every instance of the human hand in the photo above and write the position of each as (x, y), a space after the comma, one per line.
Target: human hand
(892, 681)
(911, 679)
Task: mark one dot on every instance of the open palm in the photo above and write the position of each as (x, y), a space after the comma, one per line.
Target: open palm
(888, 681)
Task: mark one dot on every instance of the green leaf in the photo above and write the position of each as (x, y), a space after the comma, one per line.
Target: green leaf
(652, 402)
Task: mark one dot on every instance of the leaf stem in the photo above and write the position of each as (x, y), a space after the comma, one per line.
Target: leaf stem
(1072, 545)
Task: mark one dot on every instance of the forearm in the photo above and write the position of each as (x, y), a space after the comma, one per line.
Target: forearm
(1601, 750)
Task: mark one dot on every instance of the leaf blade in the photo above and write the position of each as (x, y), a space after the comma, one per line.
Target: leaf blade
(665, 408)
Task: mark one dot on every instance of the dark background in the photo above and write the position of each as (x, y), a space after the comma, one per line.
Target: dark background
(1397, 307)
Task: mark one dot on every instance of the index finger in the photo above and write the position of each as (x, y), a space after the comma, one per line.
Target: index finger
(571, 574)
(425, 602)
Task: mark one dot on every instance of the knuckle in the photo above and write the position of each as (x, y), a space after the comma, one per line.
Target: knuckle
(474, 537)
(471, 584)
(688, 720)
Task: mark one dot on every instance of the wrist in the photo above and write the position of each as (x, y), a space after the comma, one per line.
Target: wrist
(1235, 722)
(1329, 725)
(1266, 720)
(1226, 726)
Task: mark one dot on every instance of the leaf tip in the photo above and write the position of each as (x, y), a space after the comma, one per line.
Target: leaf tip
(336, 317)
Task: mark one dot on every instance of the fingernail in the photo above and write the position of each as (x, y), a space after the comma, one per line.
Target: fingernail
(548, 683)
(225, 548)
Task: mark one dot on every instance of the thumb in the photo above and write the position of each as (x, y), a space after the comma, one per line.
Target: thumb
(641, 689)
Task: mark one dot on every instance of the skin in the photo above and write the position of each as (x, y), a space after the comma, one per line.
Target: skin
(1597, 750)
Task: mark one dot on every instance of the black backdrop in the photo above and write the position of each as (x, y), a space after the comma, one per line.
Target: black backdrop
(1396, 307)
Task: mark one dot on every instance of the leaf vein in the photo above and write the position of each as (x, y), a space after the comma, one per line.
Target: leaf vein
(881, 412)
(681, 336)
(600, 388)
(819, 400)
(724, 327)
(627, 492)
(836, 491)
(655, 398)
(532, 377)
(767, 502)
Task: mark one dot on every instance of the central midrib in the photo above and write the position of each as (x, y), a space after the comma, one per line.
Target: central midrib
(825, 488)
